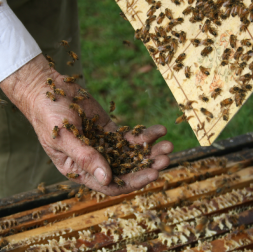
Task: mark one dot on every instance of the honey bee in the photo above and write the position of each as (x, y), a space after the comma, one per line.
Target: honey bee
(150, 1)
(137, 34)
(72, 175)
(226, 102)
(168, 13)
(73, 55)
(78, 98)
(77, 76)
(84, 93)
(187, 72)
(225, 114)
(123, 129)
(182, 37)
(85, 140)
(51, 64)
(49, 58)
(207, 42)
(161, 59)
(176, 2)
(206, 26)
(55, 132)
(207, 50)
(169, 57)
(246, 42)
(206, 112)
(203, 98)
(77, 108)
(118, 181)
(188, 10)
(234, 90)
(70, 63)
(69, 79)
(244, 25)
(123, 15)
(213, 31)
(174, 44)
(160, 18)
(59, 91)
(151, 11)
(240, 68)
(138, 130)
(224, 63)
(216, 92)
(239, 98)
(150, 20)
(80, 193)
(204, 70)
(182, 118)
(180, 58)
(246, 56)
(177, 67)
(63, 187)
(3, 242)
(246, 87)
(95, 118)
(71, 193)
(196, 42)
(245, 78)
(41, 187)
(158, 5)
(66, 124)
(176, 21)
(190, 1)
(50, 83)
(74, 130)
(114, 117)
(233, 40)
(64, 43)
(152, 50)
(50, 96)
(238, 53)
(226, 54)
(3, 102)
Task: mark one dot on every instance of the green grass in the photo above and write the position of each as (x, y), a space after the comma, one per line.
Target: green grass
(111, 70)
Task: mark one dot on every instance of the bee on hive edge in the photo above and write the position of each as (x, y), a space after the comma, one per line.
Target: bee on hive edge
(55, 132)
(206, 112)
(72, 175)
(226, 102)
(182, 118)
(41, 187)
(216, 92)
(203, 98)
(225, 114)
(204, 70)
(123, 15)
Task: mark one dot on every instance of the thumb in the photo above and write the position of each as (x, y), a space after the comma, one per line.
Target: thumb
(84, 160)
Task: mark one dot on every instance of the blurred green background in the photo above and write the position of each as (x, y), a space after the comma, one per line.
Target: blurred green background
(128, 76)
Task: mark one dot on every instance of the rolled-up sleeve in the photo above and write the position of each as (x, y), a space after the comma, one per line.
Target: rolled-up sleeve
(17, 46)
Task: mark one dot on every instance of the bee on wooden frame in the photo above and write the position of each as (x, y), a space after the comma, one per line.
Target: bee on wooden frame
(207, 50)
(188, 10)
(203, 98)
(182, 37)
(182, 118)
(226, 102)
(168, 13)
(151, 11)
(204, 70)
(196, 42)
(246, 42)
(233, 40)
(225, 114)
(207, 42)
(226, 54)
(41, 187)
(180, 58)
(239, 98)
(150, 1)
(206, 112)
(216, 92)
(177, 67)
(240, 68)
(63, 187)
(80, 192)
(187, 72)
(150, 20)
(160, 18)
(238, 53)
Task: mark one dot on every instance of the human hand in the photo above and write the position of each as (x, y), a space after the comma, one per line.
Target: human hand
(67, 152)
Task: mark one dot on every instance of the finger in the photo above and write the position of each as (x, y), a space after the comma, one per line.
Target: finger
(161, 162)
(111, 126)
(149, 135)
(133, 181)
(83, 159)
(161, 148)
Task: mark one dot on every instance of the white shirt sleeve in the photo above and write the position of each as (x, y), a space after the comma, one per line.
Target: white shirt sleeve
(17, 46)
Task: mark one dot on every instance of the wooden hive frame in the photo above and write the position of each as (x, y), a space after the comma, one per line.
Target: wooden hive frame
(209, 200)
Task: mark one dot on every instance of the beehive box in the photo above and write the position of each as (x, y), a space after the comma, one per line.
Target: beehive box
(207, 98)
(203, 205)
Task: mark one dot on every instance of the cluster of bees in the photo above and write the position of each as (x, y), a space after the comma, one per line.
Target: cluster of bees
(167, 40)
(122, 156)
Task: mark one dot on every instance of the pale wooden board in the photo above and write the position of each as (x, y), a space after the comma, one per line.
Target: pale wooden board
(185, 89)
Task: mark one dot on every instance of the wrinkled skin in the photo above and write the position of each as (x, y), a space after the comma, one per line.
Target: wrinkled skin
(26, 88)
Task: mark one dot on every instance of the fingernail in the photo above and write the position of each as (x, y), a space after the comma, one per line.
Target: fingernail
(99, 175)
